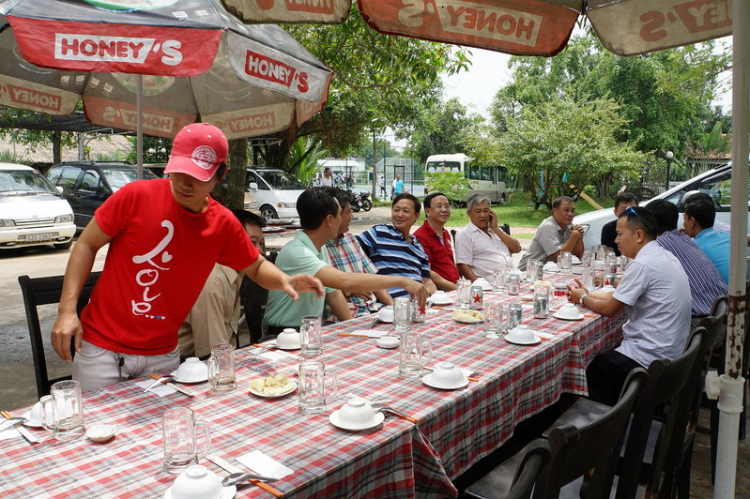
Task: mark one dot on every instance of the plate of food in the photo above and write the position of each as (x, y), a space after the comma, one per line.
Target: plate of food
(274, 386)
(468, 316)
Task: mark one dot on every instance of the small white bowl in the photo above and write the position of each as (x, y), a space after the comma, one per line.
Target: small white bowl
(569, 311)
(607, 289)
(356, 412)
(385, 314)
(101, 432)
(448, 375)
(523, 333)
(551, 267)
(483, 283)
(197, 482)
(35, 415)
(192, 368)
(388, 342)
(288, 338)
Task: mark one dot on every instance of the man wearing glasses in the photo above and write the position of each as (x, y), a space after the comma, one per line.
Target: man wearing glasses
(436, 241)
(655, 293)
(482, 247)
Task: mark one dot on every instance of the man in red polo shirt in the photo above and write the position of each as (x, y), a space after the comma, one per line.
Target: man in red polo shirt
(436, 241)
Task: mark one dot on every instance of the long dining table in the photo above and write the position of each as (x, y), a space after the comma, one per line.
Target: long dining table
(456, 428)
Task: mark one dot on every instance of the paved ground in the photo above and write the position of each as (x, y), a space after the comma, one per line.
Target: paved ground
(17, 385)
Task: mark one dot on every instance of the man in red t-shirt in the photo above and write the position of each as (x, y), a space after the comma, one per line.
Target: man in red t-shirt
(164, 238)
(436, 241)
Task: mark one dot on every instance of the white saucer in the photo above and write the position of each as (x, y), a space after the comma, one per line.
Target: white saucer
(227, 492)
(445, 301)
(427, 380)
(276, 345)
(535, 341)
(334, 419)
(474, 321)
(556, 316)
(265, 396)
(31, 423)
(188, 380)
(385, 321)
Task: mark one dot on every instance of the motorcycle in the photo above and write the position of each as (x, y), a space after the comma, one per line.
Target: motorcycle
(364, 197)
(356, 202)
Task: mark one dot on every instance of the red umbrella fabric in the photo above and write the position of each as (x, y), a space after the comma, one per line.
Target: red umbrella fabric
(199, 62)
(290, 11)
(543, 27)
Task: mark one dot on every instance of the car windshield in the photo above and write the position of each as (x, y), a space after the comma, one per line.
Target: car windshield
(24, 183)
(280, 180)
(118, 176)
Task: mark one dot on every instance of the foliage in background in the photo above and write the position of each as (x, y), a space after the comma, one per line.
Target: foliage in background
(10, 157)
(155, 149)
(563, 142)
(303, 159)
(453, 184)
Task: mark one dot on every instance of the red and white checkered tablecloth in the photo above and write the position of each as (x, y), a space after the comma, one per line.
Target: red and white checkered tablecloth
(456, 428)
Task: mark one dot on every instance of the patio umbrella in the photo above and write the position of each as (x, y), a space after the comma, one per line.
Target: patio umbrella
(290, 11)
(197, 61)
(625, 27)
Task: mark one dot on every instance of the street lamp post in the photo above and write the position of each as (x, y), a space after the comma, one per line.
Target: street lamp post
(669, 156)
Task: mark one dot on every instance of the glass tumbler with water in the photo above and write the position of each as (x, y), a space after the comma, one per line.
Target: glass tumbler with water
(565, 261)
(498, 280)
(414, 353)
(311, 341)
(463, 293)
(402, 314)
(495, 319)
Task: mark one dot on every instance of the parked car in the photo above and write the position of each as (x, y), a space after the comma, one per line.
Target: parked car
(716, 183)
(87, 184)
(32, 211)
(275, 190)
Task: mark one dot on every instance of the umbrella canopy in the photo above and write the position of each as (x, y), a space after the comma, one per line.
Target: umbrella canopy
(290, 11)
(198, 62)
(543, 27)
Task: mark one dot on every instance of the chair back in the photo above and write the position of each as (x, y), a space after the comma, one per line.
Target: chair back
(664, 398)
(591, 451)
(45, 291)
(536, 456)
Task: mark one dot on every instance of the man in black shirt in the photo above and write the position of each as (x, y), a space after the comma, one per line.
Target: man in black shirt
(609, 232)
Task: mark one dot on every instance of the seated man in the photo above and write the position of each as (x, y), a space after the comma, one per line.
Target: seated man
(705, 282)
(482, 247)
(655, 293)
(623, 201)
(392, 248)
(556, 234)
(215, 315)
(320, 218)
(346, 255)
(436, 241)
(698, 222)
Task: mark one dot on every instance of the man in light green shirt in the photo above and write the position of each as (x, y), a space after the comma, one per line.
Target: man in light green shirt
(320, 218)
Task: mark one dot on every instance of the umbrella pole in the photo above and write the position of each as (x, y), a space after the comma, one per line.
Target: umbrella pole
(732, 382)
(139, 126)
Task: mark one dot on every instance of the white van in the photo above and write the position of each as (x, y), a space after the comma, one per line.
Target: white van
(32, 211)
(487, 180)
(275, 190)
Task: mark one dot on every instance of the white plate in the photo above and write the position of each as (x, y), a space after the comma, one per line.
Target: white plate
(385, 321)
(276, 345)
(474, 321)
(427, 380)
(227, 492)
(535, 341)
(31, 423)
(188, 380)
(334, 419)
(556, 316)
(290, 390)
(445, 301)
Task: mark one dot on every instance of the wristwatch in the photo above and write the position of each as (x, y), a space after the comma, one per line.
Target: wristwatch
(583, 297)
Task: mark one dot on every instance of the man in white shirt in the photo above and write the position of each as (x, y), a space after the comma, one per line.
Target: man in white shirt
(482, 247)
(556, 234)
(655, 292)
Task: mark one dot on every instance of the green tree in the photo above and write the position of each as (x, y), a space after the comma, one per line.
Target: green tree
(303, 159)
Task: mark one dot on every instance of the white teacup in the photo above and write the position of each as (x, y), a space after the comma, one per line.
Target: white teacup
(357, 412)
(484, 283)
(569, 311)
(551, 267)
(439, 295)
(288, 338)
(197, 482)
(192, 368)
(35, 416)
(447, 374)
(385, 314)
(522, 333)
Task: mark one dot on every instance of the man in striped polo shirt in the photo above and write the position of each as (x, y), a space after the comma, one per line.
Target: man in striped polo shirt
(392, 248)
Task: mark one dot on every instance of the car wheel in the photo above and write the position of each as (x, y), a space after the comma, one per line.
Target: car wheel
(268, 212)
(64, 246)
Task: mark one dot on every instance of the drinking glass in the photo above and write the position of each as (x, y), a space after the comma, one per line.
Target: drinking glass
(417, 313)
(586, 259)
(494, 319)
(311, 341)
(588, 278)
(314, 389)
(532, 270)
(565, 260)
(66, 409)
(182, 434)
(221, 368)
(401, 314)
(498, 280)
(463, 293)
(414, 353)
(513, 283)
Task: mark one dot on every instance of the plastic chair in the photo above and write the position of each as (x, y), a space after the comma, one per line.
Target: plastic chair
(582, 456)
(45, 291)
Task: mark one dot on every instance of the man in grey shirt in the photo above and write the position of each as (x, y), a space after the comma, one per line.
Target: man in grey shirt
(655, 293)
(556, 234)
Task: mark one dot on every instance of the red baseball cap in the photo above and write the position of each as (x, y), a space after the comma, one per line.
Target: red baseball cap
(198, 150)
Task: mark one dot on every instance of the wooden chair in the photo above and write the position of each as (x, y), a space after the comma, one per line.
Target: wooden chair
(582, 456)
(536, 456)
(46, 291)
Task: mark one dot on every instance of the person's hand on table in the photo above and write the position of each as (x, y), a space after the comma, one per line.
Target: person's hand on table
(302, 283)
(66, 326)
(575, 291)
